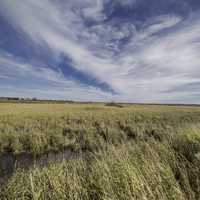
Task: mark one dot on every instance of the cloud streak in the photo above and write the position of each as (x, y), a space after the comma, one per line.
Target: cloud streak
(141, 60)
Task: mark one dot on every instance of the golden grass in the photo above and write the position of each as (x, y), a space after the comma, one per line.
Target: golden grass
(137, 152)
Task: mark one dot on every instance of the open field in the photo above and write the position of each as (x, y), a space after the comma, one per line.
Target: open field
(129, 152)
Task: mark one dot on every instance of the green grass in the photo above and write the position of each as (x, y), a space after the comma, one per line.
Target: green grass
(134, 152)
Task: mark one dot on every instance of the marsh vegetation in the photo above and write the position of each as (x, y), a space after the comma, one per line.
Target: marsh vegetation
(129, 152)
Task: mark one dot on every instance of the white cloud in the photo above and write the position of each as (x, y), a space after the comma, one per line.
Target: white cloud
(160, 23)
(94, 10)
(161, 56)
(13, 67)
(54, 84)
(128, 3)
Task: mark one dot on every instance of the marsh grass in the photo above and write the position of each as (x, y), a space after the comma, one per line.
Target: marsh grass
(134, 152)
(35, 128)
(143, 171)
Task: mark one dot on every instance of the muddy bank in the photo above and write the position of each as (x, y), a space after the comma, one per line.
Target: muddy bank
(9, 162)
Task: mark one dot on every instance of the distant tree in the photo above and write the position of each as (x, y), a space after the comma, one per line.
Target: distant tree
(114, 104)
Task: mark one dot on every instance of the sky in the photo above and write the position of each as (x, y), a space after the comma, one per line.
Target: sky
(144, 51)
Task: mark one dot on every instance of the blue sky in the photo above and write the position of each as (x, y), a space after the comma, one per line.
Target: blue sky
(101, 50)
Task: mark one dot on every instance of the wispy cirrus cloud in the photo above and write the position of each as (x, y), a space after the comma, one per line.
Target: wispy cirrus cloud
(22, 79)
(139, 58)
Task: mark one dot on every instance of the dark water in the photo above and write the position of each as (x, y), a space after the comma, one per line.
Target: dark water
(9, 162)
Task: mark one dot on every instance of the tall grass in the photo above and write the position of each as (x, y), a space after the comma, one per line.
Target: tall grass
(140, 171)
(39, 128)
(134, 152)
